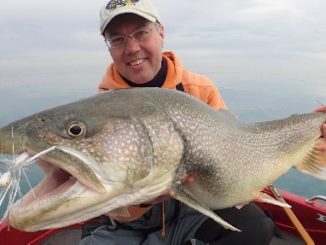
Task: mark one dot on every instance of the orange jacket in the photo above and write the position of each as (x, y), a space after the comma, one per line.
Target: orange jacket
(193, 83)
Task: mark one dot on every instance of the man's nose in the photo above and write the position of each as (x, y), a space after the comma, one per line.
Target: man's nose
(132, 45)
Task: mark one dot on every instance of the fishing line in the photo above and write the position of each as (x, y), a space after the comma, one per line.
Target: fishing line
(11, 179)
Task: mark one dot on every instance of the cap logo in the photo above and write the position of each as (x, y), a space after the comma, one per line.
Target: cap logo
(115, 4)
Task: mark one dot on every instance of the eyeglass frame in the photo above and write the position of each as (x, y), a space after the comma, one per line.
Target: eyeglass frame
(131, 36)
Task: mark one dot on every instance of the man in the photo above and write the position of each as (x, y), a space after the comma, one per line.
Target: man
(135, 44)
(134, 34)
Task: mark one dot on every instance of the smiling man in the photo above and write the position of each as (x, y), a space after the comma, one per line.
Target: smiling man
(134, 35)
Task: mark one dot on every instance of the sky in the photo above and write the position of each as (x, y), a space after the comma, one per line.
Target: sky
(230, 41)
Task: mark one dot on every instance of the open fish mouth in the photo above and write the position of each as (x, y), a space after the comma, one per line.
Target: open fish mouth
(56, 184)
(59, 185)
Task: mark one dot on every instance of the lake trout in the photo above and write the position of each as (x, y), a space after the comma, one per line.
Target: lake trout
(129, 146)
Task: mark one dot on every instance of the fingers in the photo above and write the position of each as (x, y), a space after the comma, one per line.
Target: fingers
(323, 139)
(323, 130)
(321, 109)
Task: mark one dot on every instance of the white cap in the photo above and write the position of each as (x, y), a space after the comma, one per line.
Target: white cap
(143, 8)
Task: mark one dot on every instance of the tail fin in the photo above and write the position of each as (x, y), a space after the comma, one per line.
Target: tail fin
(315, 161)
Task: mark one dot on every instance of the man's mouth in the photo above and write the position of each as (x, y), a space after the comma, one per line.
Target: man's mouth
(136, 62)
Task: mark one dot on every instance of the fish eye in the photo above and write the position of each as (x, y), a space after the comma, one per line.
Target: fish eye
(76, 129)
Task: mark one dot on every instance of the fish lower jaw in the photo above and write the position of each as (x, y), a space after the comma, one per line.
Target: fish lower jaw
(38, 215)
(30, 201)
(51, 191)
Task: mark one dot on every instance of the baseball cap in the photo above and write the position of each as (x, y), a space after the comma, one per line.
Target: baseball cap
(143, 8)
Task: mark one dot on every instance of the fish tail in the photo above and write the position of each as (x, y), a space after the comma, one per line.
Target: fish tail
(314, 162)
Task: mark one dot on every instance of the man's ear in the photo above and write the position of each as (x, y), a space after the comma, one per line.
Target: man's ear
(161, 31)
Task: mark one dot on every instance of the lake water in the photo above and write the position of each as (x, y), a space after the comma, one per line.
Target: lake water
(252, 98)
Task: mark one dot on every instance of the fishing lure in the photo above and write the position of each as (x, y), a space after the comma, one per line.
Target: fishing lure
(10, 179)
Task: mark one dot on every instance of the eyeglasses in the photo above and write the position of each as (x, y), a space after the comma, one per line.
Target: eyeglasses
(120, 41)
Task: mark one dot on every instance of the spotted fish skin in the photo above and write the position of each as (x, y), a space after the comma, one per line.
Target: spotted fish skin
(129, 146)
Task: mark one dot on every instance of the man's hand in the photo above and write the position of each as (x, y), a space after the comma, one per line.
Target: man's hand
(323, 128)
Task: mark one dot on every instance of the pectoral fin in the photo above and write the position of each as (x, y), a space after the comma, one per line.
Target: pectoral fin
(315, 161)
(185, 196)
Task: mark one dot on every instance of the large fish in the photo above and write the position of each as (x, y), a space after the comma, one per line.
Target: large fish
(130, 146)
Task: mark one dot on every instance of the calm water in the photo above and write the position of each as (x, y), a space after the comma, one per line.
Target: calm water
(256, 99)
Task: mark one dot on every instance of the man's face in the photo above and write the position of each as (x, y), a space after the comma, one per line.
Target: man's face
(138, 61)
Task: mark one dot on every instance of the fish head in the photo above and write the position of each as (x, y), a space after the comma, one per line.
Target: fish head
(65, 127)
(101, 150)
